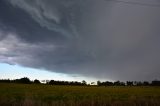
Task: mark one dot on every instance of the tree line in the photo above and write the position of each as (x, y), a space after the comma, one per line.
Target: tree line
(26, 80)
(129, 83)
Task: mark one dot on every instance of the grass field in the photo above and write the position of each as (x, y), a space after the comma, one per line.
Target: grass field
(50, 95)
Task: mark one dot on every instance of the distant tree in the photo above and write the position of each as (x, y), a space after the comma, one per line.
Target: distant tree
(107, 83)
(99, 83)
(129, 83)
(51, 82)
(36, 81)
(84, 82)
(139, 83)
(118, 83)
(5, 80)
(122, 84)
(146, 83)
(155, 83)
(24, 80)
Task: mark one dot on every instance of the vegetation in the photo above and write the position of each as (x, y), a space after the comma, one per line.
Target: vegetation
(26, 80)
(59, 95)
(24, 92)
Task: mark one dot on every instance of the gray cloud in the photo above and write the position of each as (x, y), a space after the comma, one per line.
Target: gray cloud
(101, 39)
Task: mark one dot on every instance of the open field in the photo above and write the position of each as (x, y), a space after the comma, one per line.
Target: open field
(50, 95)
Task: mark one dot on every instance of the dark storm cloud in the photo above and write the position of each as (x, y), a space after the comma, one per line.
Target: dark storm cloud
(98, 38)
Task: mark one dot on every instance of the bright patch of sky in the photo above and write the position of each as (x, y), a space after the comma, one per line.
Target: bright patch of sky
(15, 72)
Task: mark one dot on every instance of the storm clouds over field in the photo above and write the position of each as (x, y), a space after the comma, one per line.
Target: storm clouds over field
(97, 38)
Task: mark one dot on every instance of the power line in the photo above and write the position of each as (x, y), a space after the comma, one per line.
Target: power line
(135, 3)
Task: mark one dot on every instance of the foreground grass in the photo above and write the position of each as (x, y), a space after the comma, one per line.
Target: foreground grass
(50, 95)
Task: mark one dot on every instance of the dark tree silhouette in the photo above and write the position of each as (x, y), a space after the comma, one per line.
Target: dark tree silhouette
(107, 83)
(146, 83)
(118, 83)
(129, 83)
(24, 80)
(155, 83)
(36, 81)
(99, 83)
(84, 82)
(138, 83)
(5, 81)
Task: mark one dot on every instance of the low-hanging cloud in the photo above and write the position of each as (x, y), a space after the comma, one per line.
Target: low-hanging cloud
(102, 39)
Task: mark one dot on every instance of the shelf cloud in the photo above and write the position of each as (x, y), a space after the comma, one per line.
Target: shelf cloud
(96, 38)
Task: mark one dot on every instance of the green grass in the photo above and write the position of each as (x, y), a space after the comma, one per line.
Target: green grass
(50, 95)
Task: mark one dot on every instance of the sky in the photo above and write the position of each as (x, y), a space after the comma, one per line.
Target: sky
(80, 39)
(16, 72)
